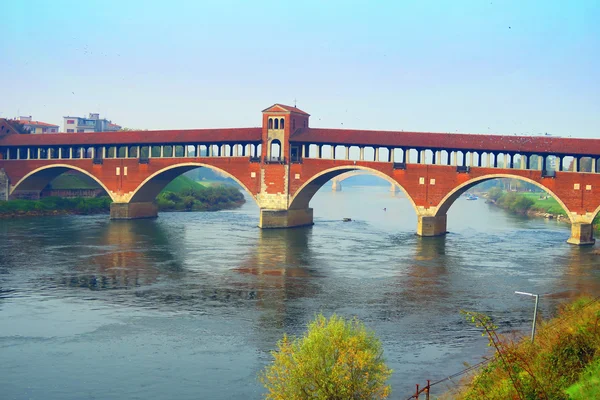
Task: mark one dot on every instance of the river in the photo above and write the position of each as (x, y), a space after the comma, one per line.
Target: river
(189, 305)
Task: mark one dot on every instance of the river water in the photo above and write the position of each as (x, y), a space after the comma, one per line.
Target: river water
(189, 305)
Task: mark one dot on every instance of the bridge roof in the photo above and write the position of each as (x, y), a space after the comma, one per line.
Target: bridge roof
(191, 136)
(451, 141)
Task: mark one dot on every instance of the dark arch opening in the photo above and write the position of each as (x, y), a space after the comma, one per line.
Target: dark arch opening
(58, 181)
(151, 188)
(282, 123)
(270, 123)
(276, 123)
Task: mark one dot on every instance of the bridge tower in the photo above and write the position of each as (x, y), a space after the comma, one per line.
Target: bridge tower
(279, 123)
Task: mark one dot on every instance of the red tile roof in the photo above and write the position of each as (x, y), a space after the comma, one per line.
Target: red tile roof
(191, 136)
(34, 123)
(283, 108)
(453, 141)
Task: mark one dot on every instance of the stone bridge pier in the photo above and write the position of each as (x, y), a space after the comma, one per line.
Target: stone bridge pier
(4, 185)
(582, 230)
(133, 210)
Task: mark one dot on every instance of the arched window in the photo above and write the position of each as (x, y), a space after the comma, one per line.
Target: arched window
(282, 123)
(276, 123)
(275, 149)
(270, 123)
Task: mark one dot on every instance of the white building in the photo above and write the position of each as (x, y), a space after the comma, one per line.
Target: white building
(91, 124)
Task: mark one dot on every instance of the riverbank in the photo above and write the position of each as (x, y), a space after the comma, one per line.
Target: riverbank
(181, 195)
(562, 363)
(535, 205)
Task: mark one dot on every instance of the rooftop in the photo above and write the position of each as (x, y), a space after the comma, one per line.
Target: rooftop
(283, 108)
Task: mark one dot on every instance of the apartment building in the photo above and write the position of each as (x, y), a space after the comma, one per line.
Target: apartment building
(91, 124)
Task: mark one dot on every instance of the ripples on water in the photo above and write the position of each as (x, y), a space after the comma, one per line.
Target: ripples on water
(189, 305)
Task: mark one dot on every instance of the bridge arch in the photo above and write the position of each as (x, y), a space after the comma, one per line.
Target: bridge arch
(305, 193)
(445, 204)
(155, 183)
(39, 178)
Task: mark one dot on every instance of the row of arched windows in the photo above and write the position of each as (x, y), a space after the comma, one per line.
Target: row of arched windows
(276, 123)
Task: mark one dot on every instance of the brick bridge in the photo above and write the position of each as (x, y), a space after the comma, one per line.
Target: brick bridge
(284, 163)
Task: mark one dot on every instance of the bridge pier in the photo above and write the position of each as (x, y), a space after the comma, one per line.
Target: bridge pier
(336, 186)
(582, 234)
(4, 185)
(431, 226)
(270, 219)
(133, 210)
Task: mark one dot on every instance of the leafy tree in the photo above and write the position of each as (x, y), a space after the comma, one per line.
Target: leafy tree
(495, 193)
(335, 359)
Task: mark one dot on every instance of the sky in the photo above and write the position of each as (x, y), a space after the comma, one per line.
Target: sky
(503, 67)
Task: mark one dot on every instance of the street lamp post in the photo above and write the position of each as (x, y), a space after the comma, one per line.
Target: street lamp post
(537, 298)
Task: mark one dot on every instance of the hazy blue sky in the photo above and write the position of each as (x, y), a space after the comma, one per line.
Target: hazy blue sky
(523, 67)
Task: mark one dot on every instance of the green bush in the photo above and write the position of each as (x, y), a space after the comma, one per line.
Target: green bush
(335, 359)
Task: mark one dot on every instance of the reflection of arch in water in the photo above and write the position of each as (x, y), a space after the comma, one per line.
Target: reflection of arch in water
(422, 278)
(279, 252)
(336, 183)
(281, 269)
(36, 180)
(130, 257)
(305, 193)
(427, 275)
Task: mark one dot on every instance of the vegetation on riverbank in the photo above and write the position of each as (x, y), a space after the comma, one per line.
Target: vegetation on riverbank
(534, 204)
(335, 359)
(562, 363)
(182, 194)
(54, 206)
(211, 198)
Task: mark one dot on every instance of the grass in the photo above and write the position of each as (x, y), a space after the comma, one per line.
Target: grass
(182, 183)
(564, 361)
(549, 204)
(588, 386)
(73, 181)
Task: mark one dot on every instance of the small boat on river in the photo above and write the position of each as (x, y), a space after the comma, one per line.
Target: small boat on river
(347, 219)
(472, 197)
